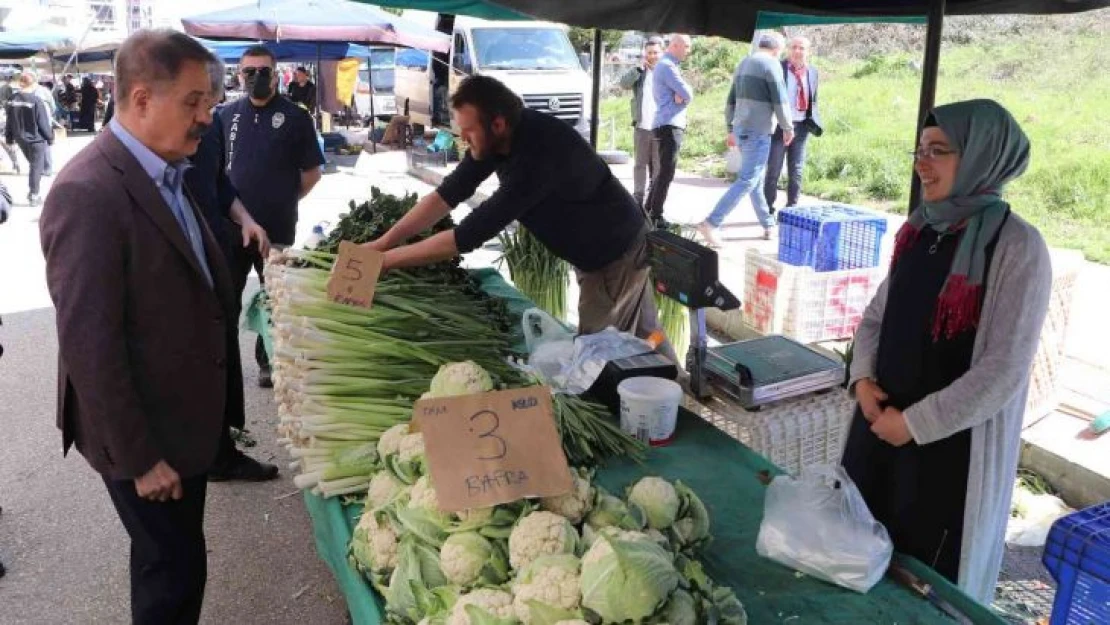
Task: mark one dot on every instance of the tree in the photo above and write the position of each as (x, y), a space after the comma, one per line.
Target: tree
(583, 39)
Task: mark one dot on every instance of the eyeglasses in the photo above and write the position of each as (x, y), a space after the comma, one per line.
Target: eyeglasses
(931, 153)
(263, 72)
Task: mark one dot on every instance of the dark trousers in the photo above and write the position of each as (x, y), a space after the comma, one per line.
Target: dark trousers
(168, 555)
(670, 142)
(245, 259)
(35, 153)
(795, 155)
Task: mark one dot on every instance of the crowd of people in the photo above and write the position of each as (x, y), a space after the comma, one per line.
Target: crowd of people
(770, 113)
(938, 376)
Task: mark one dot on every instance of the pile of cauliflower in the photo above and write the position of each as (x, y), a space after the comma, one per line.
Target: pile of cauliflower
(584, 558)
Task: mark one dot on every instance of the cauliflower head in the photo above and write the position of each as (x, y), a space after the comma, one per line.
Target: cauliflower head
(383, 488)
(575, 504)
(411, 447)
(550, 580)
(658, 499)
(423, 495)
(474, 515)
(459, 378)
(462, 557)
(390, 441)
(374, 542)
(540, 533)
(497, 603)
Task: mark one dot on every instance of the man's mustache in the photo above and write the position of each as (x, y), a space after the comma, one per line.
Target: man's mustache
(197, 130)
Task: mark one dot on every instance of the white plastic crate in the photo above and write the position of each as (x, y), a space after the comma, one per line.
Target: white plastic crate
(793, 434)
(803, 304)
(1044, 377)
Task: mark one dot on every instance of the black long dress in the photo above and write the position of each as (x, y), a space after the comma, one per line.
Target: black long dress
(89, 98)
(917, 491)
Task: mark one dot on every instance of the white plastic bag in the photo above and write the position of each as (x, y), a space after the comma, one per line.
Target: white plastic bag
(732, 159)
(572, 364)
(814, 527)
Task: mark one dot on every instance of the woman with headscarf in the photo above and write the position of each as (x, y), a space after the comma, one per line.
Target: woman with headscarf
(90, 97)
(942, 356)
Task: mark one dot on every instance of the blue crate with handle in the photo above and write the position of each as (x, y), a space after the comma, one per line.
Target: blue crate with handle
(1077, 553)
(830, 237)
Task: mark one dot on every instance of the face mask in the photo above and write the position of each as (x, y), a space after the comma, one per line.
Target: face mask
(258, 84)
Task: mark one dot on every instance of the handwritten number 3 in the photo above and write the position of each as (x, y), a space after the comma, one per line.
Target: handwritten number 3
(502, 446)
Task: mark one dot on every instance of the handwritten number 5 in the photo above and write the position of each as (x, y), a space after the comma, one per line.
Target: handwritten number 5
(352, 266)
(502, 446)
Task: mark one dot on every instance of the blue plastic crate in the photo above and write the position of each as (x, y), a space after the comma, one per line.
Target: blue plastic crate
(1077, 553)
(830, 237)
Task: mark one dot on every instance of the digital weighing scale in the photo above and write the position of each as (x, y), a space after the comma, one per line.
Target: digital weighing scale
(751, 373)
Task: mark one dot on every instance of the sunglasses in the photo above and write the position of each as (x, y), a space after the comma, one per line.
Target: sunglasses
(262, 72)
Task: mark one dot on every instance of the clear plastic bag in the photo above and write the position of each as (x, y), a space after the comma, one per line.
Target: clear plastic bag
(819, 524)
(571, 364)
(732, 159)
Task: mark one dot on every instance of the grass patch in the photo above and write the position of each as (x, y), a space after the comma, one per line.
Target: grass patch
(869, 107)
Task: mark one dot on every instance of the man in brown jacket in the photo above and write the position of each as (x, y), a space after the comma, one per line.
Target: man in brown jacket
(148, 354)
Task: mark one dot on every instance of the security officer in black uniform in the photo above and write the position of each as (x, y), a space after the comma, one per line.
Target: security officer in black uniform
(273, 160)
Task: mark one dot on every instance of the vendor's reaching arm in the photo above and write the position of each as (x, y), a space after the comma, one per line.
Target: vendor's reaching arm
(455, 188)
(429, 210)
(1016, 316)
(438, 247)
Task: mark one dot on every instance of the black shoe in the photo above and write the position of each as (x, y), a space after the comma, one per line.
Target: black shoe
(661, 224)
(265, 378)
(2, 571)
(772, 209)
(242, 468)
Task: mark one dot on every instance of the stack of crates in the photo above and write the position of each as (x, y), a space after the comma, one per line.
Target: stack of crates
(830, 237)
(806, 305)
(1077, 554)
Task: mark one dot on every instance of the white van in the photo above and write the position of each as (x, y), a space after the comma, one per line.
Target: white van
(534, 59)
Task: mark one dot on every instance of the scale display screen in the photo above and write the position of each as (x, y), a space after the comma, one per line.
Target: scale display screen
(686, 272)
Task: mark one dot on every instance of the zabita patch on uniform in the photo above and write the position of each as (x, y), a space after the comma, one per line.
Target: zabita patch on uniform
(278, 119)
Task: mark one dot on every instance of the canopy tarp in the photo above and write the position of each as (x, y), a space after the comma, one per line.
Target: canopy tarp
(770, 19)
(288, 51)
(315, 21)
(25, 43)
(738, 20)
(473, 8)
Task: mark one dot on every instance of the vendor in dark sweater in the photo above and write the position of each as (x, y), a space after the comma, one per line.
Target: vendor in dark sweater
(554, 184)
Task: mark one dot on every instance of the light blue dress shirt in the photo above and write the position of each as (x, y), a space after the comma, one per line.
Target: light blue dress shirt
(667, 82)
(169, 178)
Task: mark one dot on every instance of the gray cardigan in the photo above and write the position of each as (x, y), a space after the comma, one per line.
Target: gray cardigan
(989, 399)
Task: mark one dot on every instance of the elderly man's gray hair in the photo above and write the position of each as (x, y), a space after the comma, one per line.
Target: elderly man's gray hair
(770, 41)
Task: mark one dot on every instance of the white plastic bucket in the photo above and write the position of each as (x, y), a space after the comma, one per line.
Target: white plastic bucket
(649, 408)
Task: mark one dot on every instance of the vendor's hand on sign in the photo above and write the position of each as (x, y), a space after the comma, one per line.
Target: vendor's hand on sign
(891, 427)
(870, 398)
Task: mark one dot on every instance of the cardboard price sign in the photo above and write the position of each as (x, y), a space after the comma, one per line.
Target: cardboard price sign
(492, 448)
(355, 275)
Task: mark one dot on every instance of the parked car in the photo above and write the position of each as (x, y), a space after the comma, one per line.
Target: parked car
(379, 85)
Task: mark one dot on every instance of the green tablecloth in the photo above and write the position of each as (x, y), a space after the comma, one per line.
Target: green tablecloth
(724, 474)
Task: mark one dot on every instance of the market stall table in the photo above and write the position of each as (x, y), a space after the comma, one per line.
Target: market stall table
(725, 474)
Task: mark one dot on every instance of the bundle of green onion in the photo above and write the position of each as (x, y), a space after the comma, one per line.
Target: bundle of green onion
(539, 274)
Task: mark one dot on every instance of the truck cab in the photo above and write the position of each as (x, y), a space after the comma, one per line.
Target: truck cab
(534, 59)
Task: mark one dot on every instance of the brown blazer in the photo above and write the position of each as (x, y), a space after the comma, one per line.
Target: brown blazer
(148, 355)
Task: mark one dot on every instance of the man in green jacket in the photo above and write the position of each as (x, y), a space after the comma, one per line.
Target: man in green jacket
(639, 80)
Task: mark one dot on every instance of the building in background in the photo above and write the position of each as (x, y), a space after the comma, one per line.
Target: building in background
(100, 19)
